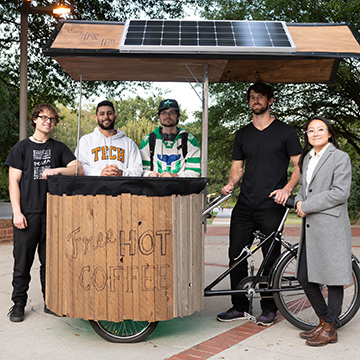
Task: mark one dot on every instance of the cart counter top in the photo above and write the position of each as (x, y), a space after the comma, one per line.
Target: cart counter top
(100, 185)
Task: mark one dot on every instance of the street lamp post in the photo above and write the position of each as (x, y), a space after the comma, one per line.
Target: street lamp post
(23, 70)
(26, 9)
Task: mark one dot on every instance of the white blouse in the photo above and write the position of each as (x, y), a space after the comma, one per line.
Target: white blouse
(313, 161)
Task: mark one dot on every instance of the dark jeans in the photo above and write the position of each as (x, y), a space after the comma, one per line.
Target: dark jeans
(25, 243)
(328, 312)
(244, 222)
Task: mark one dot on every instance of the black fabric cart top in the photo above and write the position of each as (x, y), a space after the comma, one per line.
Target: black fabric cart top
(100, 185)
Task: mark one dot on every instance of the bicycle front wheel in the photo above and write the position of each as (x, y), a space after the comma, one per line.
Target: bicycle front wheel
(127, 331)
(295, 306)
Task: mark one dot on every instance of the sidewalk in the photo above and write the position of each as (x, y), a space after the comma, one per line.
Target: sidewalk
(199, 336)
(222, 218)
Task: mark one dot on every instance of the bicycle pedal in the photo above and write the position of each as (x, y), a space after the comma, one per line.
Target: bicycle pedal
(250, 317)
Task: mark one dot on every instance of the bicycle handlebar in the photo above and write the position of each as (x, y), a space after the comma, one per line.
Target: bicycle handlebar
(290, 203)
(214, 203)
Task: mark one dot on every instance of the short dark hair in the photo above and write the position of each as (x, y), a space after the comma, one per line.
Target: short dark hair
(105, 103)
(40, 108)
(260, 88)
(308, 146)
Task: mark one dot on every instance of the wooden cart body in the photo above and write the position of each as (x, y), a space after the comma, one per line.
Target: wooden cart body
(127, 256)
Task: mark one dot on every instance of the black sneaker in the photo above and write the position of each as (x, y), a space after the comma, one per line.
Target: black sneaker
(48, 311)
(267, 318)
(16, 312)
(231, 315)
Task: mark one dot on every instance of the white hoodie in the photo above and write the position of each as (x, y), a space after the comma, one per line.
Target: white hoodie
(97, 151)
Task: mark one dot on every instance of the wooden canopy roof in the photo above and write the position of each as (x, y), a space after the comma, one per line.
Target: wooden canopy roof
(93, 50)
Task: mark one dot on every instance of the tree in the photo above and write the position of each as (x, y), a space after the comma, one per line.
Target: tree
(295, 104)
(9, 124)
(135, 109)
(47, 81)
(137, 129)
(219, 149)
(67, 128)
(136, 116)
(339, 102)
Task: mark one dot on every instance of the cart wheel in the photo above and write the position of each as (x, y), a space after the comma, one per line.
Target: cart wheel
(127, 331)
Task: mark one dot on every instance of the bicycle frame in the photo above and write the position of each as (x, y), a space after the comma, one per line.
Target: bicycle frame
(248, 252)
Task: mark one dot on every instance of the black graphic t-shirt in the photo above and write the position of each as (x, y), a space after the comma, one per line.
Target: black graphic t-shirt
(32, 159)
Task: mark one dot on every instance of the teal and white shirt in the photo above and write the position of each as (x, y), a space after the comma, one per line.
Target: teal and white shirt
(168, 156)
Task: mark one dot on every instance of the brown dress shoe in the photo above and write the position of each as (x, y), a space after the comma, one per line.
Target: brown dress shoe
(328, 335)
(312, 333)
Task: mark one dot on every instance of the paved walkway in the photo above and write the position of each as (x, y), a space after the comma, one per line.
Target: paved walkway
(222, 218)
(199, 336)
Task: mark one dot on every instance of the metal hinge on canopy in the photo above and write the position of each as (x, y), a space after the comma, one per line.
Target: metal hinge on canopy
(195, 78)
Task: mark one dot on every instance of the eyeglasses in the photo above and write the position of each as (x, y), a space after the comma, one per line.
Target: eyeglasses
(320, 131)
(171, 113)
(45, 118)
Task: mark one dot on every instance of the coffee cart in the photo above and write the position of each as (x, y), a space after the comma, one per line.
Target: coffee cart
(126, 259)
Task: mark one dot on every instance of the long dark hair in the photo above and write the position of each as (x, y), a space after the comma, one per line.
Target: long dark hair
(308, 146)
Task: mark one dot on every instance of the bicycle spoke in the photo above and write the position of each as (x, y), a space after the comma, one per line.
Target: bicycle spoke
(295, 306)
(123, 331)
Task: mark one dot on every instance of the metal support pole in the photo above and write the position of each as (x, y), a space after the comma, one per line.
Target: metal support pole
(204, 140)
(78, 132)
(23, 98)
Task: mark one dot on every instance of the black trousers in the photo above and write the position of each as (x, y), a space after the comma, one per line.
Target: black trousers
(329, 312)
(25, 243)
(244, 222)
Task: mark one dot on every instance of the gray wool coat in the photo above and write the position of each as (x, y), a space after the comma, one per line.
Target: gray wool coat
(327, 227)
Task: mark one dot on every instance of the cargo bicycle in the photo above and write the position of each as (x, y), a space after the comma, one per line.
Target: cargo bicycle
(281, 283)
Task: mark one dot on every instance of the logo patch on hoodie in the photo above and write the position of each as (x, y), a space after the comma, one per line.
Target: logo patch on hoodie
(103, 153)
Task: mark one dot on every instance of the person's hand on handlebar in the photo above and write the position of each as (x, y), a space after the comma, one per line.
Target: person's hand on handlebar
(281, 195)
(227, 189)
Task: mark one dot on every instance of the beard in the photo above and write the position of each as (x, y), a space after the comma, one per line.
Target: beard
(108, 127)
(168, 125)
(171, 123)
(261, 110)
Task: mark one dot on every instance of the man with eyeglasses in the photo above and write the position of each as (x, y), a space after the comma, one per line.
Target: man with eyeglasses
(169, 151)
(261, 154)
(107, 151)
(30, 163)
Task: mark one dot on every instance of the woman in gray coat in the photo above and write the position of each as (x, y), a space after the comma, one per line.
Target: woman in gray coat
(325, 242)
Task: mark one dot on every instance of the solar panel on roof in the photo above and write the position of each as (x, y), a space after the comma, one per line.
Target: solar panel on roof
(206, 36)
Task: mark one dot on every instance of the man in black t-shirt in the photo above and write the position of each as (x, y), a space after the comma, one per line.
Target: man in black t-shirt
(30, 162)
(265, 146)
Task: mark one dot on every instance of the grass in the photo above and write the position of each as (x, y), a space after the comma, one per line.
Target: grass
(293, 219)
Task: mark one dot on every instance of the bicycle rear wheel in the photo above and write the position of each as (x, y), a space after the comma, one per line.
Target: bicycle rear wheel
(127, 331)
(294, 305)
